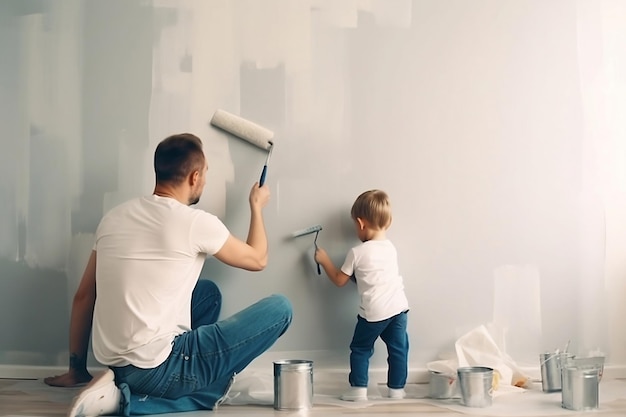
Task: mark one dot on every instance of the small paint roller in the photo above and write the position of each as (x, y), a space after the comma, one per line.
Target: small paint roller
(247, 130)
(313, 229)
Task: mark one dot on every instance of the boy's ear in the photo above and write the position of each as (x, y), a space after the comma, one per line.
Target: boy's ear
(361, 223)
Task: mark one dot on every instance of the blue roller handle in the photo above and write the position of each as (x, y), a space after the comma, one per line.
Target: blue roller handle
(263, 174)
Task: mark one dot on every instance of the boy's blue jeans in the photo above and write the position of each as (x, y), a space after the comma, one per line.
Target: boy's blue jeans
(199, 371)
(392, 331)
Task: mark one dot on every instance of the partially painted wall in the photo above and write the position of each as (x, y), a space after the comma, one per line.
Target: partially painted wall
(496, 127)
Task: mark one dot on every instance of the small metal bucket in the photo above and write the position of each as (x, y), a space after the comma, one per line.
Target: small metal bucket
(441, 385)
(476, 385)
(551, 364)
(580, 388)
(293, 384)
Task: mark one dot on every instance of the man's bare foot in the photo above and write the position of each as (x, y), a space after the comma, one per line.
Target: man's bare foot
(69, 379)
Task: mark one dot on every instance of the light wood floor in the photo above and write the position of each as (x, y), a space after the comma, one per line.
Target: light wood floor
(34, 398)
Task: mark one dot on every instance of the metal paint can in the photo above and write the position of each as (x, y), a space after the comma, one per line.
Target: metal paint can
(293, 384)
(580, 389)
(476, 385)
(551, 364)
(441, 385)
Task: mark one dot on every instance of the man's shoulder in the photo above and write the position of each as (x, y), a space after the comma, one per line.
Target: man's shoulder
(125, 205)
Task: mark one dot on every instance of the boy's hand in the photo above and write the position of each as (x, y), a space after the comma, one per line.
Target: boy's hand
(320, 255)
(336, 275)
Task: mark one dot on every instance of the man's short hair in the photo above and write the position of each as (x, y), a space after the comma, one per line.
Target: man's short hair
(176, 157)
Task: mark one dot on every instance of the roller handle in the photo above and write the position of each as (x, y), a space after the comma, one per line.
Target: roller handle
(319, 270)
(263, 174)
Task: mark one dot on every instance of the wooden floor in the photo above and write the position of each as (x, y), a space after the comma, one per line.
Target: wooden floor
(34, 398)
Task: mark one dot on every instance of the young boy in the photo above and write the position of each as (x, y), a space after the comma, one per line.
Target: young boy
(384, 306)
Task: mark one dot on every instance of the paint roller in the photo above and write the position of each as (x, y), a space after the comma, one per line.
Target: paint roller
(313, 229)
(247, 130)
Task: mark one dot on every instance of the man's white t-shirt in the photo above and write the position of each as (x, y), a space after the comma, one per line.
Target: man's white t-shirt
(149, 254)
(375, 266)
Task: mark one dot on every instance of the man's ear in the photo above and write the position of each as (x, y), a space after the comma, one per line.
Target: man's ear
(194, 178)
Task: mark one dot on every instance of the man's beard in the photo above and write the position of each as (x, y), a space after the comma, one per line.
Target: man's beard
(194, 199)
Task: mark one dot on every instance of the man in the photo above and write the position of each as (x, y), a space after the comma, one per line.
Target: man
(153, 323)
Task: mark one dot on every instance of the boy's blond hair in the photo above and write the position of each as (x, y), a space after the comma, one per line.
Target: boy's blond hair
(374, 207)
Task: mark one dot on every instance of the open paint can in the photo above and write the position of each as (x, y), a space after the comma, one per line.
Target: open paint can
(293, 384)
(551, 363)
(580, 388)
(476, 385)
(441, 385)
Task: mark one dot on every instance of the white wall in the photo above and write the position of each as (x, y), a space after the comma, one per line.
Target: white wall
(496, 127)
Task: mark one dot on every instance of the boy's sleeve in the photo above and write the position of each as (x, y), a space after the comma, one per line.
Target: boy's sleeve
(348, 265)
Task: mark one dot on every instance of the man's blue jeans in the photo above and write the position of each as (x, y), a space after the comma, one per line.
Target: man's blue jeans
(199, 371)
(392, 331)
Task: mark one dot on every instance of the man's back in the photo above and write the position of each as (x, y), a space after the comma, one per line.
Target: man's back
(150, 252)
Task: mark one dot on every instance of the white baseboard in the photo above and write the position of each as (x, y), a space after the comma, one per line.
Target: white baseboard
(327, 366)
(417, 375)
(29, 372)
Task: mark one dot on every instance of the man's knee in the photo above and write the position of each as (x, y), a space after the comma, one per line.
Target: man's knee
(207, 291)
(283, 306)
(282, 303)
(207, 287)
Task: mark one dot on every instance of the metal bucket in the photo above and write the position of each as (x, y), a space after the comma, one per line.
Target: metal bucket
(551, 363)
(476, 385)
(591, 362)
(580, 388)
(293, 384)
(442, 386)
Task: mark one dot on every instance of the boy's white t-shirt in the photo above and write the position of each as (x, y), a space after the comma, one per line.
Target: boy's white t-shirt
(149, 254)
(375, 266)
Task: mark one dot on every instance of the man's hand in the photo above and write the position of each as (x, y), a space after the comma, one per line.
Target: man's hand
(70, 379)
(259, 196)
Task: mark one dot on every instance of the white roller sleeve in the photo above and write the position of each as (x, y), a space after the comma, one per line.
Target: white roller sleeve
(242, 128)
